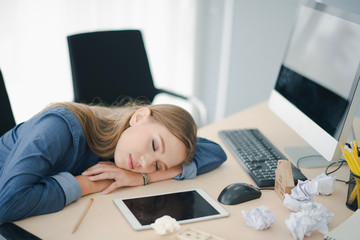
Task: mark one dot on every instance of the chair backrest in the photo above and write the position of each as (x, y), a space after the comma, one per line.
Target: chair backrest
(110, 65)
(7, 120)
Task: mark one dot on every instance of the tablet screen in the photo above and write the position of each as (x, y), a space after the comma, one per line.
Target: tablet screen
(181, 206)
(188, 205)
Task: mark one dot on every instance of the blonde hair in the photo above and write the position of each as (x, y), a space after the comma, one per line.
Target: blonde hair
(103, 126)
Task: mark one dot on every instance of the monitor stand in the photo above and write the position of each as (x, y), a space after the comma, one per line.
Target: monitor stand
(310, 158)
(307, 156)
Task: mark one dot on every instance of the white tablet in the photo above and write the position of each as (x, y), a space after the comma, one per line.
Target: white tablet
(185, 206)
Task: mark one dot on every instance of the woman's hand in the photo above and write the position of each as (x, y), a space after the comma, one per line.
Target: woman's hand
(109, 171)
(121, 177)
(88, 187)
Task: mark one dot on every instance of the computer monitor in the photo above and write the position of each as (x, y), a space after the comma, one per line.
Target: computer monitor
(317, 90)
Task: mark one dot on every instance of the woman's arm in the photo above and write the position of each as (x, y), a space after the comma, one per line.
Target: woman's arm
(31, 179)
(88, 187)
(108, 171)
(41, 157)
(164, 175)
(208, 156)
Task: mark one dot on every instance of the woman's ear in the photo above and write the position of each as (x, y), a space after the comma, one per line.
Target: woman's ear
(140, 115)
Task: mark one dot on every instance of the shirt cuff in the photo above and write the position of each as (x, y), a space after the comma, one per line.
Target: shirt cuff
(70, 186)
(189, 171)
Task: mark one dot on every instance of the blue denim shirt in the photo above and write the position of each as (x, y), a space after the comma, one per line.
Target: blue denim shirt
(40, 158)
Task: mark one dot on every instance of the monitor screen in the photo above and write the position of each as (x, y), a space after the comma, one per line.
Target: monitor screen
(317, 90)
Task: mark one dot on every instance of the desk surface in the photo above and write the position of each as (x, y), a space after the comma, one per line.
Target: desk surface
(104, 221)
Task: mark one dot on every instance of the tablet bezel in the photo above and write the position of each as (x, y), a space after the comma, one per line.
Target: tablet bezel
(136, 225)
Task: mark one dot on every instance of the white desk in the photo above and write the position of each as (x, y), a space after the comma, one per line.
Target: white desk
(104, 221)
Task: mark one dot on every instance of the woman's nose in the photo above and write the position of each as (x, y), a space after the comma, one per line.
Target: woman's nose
(147, 161)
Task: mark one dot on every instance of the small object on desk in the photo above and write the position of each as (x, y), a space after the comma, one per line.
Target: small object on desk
(349, 229)
(165, 225)
(283, 179)
(238, 193)
(325, 184)
(185, 206)
(83, 214)
(193, 234)
(304, 191)
(312, 216)
(353, 192)
(259, 218)
(352, 158)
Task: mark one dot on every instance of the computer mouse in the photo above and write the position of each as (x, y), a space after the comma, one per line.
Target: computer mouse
(238, 193)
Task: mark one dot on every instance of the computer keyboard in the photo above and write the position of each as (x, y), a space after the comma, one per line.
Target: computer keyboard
(257, 155)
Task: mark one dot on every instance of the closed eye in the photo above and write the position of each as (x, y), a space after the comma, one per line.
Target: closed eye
(154, 149)
(153, 145)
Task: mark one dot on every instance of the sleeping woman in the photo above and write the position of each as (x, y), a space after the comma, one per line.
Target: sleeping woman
(69, 150)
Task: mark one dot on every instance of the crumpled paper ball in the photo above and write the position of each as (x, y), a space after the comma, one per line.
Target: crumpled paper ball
(305, 190)
(325, 184)
(165, 225)
(259, 218)
(312, 216)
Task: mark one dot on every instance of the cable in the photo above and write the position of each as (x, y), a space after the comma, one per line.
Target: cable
(340, 162)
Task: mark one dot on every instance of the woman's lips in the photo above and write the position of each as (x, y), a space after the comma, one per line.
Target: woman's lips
(131, 162)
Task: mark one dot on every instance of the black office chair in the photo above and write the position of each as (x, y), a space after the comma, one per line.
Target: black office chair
(7, 120)
(110, 66)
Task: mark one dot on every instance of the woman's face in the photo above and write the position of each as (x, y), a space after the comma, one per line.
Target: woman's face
(147, 146)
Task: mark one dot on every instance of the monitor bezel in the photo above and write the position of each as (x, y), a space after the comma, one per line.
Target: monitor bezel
(312, 133)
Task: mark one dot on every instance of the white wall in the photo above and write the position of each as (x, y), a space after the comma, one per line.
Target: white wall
(260, 29)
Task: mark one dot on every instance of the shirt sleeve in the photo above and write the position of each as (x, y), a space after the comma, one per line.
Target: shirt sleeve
(189, 171)
(208, 156)
(69, 185)
(30, 181)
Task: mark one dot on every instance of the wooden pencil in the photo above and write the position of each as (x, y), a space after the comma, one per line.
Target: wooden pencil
(83, 214)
